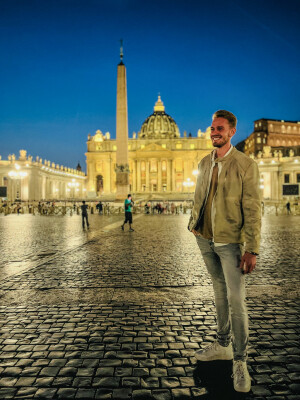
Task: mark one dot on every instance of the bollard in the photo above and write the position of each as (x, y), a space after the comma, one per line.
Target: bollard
(92, 210)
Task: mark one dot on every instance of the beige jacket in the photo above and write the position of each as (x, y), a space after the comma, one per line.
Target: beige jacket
(236, 208)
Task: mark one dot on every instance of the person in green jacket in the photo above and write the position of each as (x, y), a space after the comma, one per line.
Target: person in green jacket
(226, 221)
(128, 203)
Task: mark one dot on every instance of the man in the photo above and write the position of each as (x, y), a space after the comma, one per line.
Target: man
(84, 214)
(226, 215)
(99, 207)
(128, 213)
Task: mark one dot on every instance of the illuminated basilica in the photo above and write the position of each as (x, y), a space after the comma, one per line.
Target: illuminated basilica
(161, 161)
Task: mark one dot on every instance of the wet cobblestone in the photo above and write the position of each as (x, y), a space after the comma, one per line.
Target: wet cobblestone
(133, 350)
(113, 315)
(159, 254)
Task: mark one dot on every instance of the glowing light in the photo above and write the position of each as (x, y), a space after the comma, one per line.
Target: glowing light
(17, 166)
(273, 161)
(195, 172)
(17, 174)
(261, 186)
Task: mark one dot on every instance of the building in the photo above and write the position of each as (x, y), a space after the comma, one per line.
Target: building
(279, 175)
(275, 145)
(278, 134)
(28, 180)
(161, 161)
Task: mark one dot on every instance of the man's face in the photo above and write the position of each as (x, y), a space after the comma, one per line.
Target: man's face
(221, 132)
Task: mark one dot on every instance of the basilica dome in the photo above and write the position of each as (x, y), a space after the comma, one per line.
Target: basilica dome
(159, 125)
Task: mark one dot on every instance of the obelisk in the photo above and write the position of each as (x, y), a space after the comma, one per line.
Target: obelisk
(122, 166)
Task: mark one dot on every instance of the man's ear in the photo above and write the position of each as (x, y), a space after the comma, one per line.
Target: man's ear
(232, 132)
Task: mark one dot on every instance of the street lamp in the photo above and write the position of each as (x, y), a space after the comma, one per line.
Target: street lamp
(188, 183)
(17, 175)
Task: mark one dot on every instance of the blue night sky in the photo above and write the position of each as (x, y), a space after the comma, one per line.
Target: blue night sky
(59, 62)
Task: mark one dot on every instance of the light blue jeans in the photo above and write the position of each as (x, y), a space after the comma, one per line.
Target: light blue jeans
(229, 288)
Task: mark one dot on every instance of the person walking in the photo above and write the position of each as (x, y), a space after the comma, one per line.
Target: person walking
(288, 208)
(84, 214)
(225, 217)
(128, 213)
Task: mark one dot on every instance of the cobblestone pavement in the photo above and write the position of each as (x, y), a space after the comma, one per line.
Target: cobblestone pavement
(108, 314)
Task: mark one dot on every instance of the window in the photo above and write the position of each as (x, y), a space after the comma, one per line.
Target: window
(178, 146)
(286, 178)
(258, 140)
(164, 166)
(192, 146)
(298, 178)
(164, 146)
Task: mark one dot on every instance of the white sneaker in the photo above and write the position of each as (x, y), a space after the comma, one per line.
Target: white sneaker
(241, 377)
(215, 352)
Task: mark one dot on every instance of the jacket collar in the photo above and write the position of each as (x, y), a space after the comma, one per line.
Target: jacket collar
(228, 155)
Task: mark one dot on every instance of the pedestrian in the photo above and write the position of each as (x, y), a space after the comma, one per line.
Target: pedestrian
(227, 215)
(128, 213)
(84, 214)
(99, 207)
(288, 207)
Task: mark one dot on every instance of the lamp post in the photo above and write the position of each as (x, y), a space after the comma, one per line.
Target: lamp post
(188, 183)
(17, 175)
(72, 185)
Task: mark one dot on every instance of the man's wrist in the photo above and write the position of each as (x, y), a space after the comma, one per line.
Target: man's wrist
(252, 252)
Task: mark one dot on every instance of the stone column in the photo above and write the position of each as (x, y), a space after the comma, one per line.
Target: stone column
(159, 188)
(134, 175)
(107, 177)
(147, 177)
(173, 176)
(138, 180)
(169, 169)
(185, 170)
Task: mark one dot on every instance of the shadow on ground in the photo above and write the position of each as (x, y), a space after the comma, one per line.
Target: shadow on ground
(215, 377)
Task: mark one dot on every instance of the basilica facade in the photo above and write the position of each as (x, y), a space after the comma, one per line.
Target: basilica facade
(161, 161)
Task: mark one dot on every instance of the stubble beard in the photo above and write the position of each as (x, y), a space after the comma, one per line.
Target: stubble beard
(220, 144)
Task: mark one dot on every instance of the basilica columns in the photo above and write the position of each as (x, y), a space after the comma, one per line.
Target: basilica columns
(159, 186)
(169, 171)
(148, 189)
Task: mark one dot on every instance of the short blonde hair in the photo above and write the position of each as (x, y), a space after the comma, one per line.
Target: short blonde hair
(231, 118)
